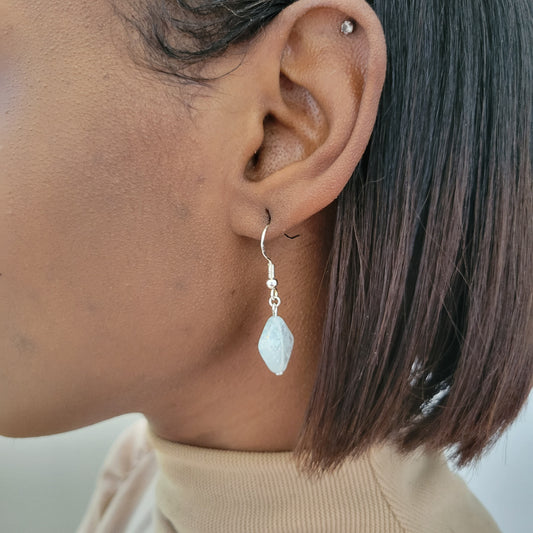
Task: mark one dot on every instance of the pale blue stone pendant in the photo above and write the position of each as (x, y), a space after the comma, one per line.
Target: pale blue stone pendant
(275, 344)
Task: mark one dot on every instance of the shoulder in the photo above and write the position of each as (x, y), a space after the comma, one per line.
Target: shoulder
(425, 495)
(124, 483)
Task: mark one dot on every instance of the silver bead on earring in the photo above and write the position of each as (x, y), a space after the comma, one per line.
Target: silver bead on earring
(347, 27)
(276, 341)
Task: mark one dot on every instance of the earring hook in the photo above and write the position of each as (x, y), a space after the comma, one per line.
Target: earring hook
(263, 243)
(263, 237)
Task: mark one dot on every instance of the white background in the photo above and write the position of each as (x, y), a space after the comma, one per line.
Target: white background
(45, 483)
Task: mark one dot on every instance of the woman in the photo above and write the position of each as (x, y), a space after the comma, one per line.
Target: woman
(161, 158)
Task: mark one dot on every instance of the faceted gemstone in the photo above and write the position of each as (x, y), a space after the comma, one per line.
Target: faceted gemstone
(275, 344)
(347, 27)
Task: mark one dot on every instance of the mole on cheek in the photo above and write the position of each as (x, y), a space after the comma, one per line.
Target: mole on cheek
(24, 344)
(182, 211)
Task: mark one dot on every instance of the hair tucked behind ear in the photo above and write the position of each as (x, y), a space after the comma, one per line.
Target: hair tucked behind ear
(430, 301)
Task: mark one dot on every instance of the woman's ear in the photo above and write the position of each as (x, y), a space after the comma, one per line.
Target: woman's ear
(311, 97)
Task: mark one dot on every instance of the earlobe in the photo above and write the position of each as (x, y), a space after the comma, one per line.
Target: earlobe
(319, 69)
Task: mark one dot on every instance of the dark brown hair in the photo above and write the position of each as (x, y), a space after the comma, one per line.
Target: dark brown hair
(425, 341)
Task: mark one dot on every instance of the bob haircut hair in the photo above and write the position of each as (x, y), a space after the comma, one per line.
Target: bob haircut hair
(426, 340)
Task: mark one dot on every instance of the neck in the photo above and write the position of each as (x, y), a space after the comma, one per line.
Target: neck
(235, 402)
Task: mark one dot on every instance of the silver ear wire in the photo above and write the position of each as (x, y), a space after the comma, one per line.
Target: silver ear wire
(347, 27)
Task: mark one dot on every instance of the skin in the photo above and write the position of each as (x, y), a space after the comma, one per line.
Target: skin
(131, 273)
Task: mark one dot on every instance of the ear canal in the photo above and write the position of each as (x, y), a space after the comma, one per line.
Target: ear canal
(291, 132)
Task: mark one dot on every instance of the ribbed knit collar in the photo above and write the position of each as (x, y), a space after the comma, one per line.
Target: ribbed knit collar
(208, 490)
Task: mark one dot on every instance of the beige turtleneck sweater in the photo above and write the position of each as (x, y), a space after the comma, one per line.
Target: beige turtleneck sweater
(150, 485)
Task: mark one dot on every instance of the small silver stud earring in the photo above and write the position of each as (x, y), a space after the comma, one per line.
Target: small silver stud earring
(347, 27)
(276, 341)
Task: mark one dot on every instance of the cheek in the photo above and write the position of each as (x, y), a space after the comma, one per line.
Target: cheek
(99, 247)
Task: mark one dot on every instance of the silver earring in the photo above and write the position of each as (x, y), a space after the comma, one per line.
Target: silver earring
(276, 341)
(347, 27)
